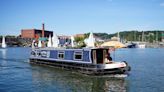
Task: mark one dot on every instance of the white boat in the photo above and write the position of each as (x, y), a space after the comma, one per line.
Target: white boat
(3, 42)
(140, 45)
(39, 44)
(55, 41)
(90, 42)
(49, 41)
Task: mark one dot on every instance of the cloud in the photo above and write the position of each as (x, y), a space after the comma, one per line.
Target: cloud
(162, 4)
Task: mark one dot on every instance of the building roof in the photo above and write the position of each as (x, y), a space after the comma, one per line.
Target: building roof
(36, 29)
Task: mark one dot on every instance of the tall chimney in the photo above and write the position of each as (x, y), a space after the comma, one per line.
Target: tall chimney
(43, 30)
(43, 34)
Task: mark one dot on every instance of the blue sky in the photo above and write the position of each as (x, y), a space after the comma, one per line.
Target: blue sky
(80, 16)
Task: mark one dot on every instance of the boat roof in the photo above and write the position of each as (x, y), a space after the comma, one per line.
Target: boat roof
(62, 48)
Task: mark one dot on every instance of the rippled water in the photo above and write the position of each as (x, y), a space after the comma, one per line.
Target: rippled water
(17, 75)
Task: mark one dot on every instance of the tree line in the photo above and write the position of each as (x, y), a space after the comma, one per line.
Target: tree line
(135, 35)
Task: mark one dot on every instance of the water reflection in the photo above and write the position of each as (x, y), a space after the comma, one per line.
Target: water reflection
(3, 53)
(51, 79)
(3, 57)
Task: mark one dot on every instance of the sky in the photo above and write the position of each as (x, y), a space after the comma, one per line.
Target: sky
(69, 17)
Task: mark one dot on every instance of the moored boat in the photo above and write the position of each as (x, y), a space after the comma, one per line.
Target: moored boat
(3, 42)
(140, 45)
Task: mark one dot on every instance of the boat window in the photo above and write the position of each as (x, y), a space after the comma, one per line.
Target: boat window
(38, 53)
(61, 55)
(78, 55)
(43, 53)
(33, 53)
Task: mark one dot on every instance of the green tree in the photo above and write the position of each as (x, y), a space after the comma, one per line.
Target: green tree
(79, 39)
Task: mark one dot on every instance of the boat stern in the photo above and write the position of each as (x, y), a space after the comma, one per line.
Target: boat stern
(113, 68)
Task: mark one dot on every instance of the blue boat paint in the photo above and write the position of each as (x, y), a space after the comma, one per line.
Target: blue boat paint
(53, 54)
(68, 55)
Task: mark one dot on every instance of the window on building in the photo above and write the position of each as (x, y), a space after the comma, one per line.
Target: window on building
(78, 55)
(61, 55)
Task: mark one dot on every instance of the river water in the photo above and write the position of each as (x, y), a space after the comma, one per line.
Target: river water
(18, 75)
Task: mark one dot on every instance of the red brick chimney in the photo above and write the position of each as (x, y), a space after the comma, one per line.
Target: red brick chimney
(43, 30)
(43, 34)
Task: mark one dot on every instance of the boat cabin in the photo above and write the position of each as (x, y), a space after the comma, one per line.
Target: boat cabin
(100, 56)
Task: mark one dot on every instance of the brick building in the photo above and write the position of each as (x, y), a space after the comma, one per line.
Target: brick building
(34, 33)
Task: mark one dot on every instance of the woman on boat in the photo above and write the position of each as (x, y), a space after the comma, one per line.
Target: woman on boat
(108, 58)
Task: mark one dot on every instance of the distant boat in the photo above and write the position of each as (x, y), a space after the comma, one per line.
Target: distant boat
(90, 42)
(136, 45)
(49, 41)
(39, 43)
(3, 42)
(131, 45)
(140, 45)
(55, 41)
(72, 41)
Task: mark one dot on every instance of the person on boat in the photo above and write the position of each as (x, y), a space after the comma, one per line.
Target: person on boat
(108, 58)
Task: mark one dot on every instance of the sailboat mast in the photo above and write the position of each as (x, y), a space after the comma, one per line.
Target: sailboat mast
(156, 36)
(118, 37)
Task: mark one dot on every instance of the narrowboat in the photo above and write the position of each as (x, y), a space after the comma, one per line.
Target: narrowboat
(94, 61)
(87, 60)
